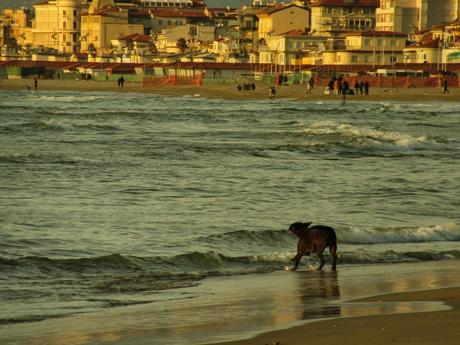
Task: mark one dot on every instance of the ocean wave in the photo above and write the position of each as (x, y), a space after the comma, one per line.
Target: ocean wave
(442, 232)
(35, 158)
(56, 125)
(347, 134)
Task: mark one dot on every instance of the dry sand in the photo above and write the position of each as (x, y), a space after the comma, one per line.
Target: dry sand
(230, 91)
(430, 328)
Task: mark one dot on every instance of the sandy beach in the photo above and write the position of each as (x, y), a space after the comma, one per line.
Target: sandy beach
(430, 328)
(230, 91)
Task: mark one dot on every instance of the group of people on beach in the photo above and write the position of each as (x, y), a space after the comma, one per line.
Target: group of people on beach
(340, 86)
(246, 86)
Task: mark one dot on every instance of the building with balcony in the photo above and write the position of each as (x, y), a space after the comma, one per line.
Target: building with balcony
(104, 22)
(365, 48)
(57, 25)
(342, 15)
(290, 48)
(408, 16)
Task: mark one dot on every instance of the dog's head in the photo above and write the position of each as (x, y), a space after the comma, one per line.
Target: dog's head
(298, 229)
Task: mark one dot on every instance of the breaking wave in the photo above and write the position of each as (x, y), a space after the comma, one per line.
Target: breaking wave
(346, 135)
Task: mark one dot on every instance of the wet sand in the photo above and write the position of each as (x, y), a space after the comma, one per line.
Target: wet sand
(282, 306)
(230, 91)
(428, 328)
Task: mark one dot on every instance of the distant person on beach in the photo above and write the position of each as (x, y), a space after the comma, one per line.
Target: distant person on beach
(356, 87)
(445, 85)
(121, 81)
(272, 91)
(366, 88)
(361, 87)
(345, 87)
(35, 83)
(310, 84)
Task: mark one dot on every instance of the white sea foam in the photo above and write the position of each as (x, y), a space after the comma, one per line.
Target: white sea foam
(442, 232)
(368, 136)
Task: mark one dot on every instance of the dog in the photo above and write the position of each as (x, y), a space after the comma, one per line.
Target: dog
(314, 240)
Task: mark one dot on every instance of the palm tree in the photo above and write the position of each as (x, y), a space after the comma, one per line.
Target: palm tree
(92, 49)
(182, 44)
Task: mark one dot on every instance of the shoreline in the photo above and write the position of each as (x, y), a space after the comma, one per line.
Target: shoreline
(357, 305)
(229, 92)
(424, 328)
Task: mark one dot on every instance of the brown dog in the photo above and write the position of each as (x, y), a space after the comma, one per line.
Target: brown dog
(314, 240)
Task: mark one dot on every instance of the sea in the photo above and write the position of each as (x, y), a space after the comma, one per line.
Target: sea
(114, 199)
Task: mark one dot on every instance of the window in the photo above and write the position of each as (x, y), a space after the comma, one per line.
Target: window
(74, 13)
(355, 58)
(75, 25)
(64, 13)
(64, 25)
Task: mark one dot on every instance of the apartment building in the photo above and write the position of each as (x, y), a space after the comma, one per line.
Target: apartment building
(339, 15)
(103, 22)
(276, 20)
(366, 48)
(57, 25)
(411, 15)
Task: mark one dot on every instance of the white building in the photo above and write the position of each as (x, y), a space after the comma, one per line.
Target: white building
(290, 48)
(196, 36)
(57, 25)
(410, 15)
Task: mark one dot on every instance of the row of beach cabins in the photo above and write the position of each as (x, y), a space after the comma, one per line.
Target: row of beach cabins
(190, 73)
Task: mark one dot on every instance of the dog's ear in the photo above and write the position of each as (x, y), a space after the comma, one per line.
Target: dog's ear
(307, 225)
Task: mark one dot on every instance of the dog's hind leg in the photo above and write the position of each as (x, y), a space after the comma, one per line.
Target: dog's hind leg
(321, 259)
(333, 251)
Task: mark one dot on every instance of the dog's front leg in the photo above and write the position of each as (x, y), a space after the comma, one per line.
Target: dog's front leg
(296, 260)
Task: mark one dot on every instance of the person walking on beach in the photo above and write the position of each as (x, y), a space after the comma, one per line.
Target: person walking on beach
(361, 87)
(310, 85)
(366, 88)
(445, 85)
(272, 92)
(35, 83)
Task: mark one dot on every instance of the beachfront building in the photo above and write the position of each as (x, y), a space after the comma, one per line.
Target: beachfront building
(248, 28)
(162, 18)
(290, 48)
(57, 25)
(15, 28)
(193, 37)
(135, 48)
(223, 49)
(342, 15)
(366, 48)
(276, 20)
(408, 16)
(170, 3)
(104, 22)
(438, 45)
(427, 50)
